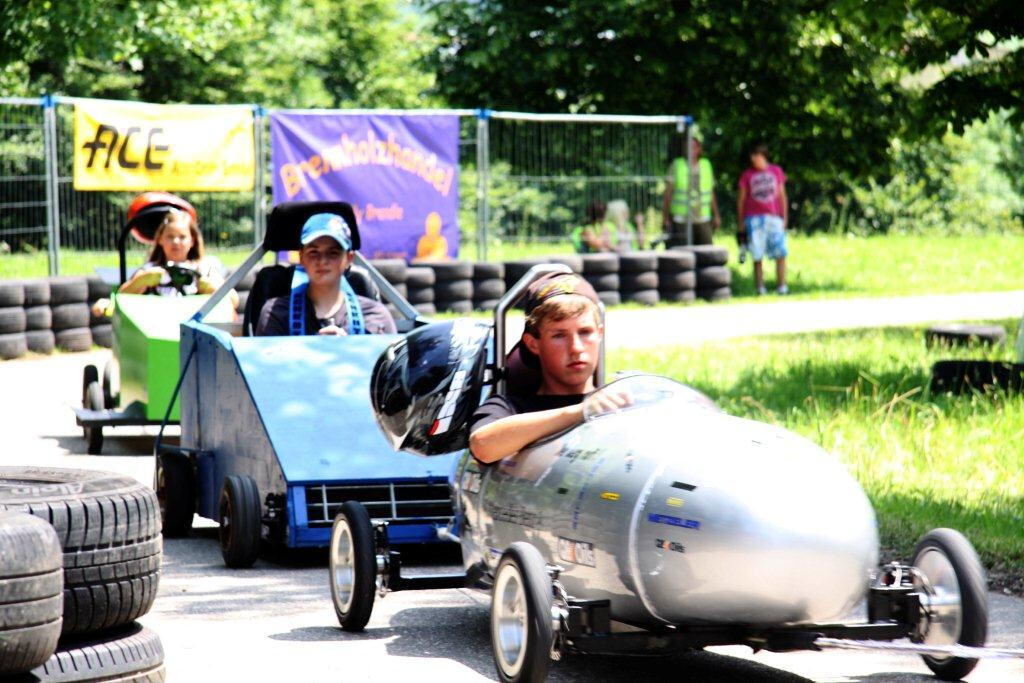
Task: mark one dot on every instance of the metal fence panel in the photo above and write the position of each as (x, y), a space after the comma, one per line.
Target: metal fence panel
(23, 203)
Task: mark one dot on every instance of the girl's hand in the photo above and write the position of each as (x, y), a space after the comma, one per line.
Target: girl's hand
(150, 277)
(206, 286)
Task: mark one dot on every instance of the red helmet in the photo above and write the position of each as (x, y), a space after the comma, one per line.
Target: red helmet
(147, 211)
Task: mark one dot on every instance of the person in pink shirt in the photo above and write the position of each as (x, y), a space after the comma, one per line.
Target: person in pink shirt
(763, 211)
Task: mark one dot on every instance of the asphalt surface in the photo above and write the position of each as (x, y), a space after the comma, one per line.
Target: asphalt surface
(275, 621)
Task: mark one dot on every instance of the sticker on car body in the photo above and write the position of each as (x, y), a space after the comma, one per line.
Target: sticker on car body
(673, 521)
(576, 552)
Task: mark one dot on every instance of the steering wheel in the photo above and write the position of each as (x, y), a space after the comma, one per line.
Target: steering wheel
(181, 276)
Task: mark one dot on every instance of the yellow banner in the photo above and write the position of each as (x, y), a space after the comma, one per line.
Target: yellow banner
(138, 146)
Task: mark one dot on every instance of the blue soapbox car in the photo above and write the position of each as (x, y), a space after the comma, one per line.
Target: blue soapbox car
(277, 432)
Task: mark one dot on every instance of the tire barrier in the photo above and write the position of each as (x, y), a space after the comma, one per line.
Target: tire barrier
(61, 306)
(31, 592)
(80, 556)
(967, 376)
(964, 335)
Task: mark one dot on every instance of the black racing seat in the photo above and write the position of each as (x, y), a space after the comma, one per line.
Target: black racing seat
(274, 281)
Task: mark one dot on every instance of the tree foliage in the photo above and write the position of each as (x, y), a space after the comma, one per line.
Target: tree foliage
(829, 83)
(319, 53)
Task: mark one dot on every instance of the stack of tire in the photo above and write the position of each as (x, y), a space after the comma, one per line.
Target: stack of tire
(419, 286)
(395, 271)
(79, 563)
(714, 279)
(13, 322)
(453, 286)
(602, 272)
(677, 281)
(243, 287)
(100, 325)
(69, 310)
(488, 285)
(638, 278)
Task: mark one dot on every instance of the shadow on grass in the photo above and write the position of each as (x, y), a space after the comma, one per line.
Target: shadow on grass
(743, 281)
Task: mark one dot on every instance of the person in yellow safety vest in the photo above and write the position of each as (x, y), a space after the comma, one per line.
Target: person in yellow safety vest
(676, 203)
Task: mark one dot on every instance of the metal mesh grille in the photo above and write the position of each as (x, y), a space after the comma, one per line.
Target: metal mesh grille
(395, 503)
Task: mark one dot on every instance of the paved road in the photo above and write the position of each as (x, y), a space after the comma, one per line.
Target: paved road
(274, 622)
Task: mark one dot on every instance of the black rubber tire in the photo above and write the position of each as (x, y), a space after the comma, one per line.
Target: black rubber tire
(402, 289)
(449, 270)
(109, 528)
(240, 516)
(971, 579)
(631, 282)
(421, 295)
(594, 264)
(964, 335)
(515, 270)
(491, 288)
(453, 290)
(68, 316)
(37, 293)
(713, 277)
(247, 281)
(13, 346)
(76, 339)
(528, 562)
(610, 298)
(718, 294)
(31, 591)
(604, 282)
(131, 654)
(486, 304)
(12, 320)
(963, 376)
(38, 318)
(243, 298)
(637, 262)
(647, 297)
(12, 293)
(572, 260)
(40, 341)
(679, 281)
(485, 271)
(92, 399)
(103, 335)
(683, 296)
(97, 288)
(426, 309)
(458, 306)
(419, 277)
(174, 481)
(707, 254)
(354, 616)
(393, 269)
(111, 390)
(68, 290)
(674, 261)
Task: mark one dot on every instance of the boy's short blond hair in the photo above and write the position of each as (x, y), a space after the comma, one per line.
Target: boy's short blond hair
(559, 308)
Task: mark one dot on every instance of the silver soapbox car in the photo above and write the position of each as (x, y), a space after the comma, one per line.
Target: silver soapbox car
(667, 525)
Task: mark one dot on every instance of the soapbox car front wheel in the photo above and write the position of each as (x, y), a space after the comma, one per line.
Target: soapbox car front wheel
(353, 565)
(175, 485)
(92, 399)
(240, 523)
(521, 625)
(954, 605)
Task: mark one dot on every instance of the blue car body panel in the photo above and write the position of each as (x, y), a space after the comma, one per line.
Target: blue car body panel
(294, 414)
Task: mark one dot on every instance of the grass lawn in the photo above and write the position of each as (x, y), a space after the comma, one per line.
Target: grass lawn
(925, 461)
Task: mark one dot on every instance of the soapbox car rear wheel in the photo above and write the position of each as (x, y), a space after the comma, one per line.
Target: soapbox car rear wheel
(954, 606)
(240, 523)
(353, 566)
(521, 625)
(175, 486)
(92, 399)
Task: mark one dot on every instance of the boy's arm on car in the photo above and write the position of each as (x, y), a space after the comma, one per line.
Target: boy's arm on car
(508, 435)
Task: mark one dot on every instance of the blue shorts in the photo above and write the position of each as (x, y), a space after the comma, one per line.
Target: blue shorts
(765, 237)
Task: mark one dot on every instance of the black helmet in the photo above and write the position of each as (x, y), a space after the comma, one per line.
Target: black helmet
(425, 387)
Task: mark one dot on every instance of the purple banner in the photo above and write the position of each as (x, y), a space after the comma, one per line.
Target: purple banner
(400, 173)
